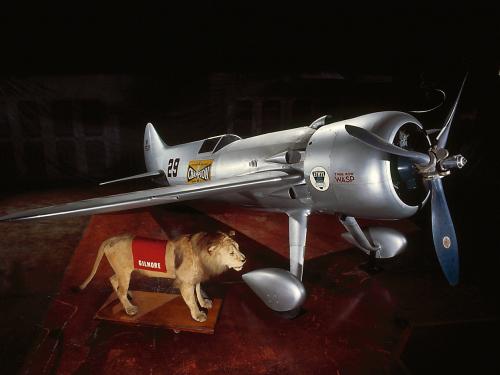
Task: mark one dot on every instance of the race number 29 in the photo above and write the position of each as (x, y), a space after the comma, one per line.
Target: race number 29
(173, 166)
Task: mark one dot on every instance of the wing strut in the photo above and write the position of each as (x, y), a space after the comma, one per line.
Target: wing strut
(377, 242)
(356, 235)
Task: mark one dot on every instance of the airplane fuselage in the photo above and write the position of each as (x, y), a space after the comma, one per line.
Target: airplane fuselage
(341, 175)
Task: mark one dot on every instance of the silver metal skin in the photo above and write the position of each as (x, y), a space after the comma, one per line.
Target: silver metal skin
(137, 176)
(157, 196)
(297, 233)
(242, 157)
(457, 161)
(323, 120)
(356, 235)
(389, 241)
(360, 177)
(153, 148)
(286, 157)
(236, 158)
(277, 288)
(375, 141)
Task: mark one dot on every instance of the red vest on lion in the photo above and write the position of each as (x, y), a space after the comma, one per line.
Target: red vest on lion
(149, 254)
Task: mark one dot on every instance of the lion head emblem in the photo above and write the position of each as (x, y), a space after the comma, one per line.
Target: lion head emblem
(226, 251)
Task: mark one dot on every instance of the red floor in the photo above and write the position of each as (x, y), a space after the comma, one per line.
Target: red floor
(353, 323)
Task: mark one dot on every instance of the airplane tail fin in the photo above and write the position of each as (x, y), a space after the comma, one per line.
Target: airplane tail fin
(153, 147)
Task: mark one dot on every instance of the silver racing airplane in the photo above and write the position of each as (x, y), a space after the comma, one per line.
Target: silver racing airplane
(377, 166)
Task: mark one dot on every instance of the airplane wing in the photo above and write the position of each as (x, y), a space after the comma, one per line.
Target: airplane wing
(151, 197)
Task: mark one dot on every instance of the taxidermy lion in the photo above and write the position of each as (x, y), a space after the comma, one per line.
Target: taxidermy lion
(189, 259)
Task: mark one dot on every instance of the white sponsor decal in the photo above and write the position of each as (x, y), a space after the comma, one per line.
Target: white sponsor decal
(199, 171)
(147, 264)
(319, 178)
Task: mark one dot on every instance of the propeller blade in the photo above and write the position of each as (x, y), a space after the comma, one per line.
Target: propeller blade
(442, 137)
(443, 233)
(381, 144)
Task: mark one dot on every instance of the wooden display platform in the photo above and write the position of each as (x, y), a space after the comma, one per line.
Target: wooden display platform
(159, 310)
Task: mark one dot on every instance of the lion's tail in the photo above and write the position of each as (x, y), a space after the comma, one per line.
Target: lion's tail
(98, 259)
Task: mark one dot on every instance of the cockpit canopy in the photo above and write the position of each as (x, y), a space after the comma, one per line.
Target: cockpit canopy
(214, 144)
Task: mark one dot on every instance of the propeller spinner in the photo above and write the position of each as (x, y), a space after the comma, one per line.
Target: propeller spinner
(432, 167)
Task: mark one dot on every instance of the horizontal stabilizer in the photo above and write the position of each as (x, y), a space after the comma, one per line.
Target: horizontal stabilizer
(134, 177)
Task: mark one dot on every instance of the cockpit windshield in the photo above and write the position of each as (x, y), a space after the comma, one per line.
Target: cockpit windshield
(226, 139)
(209, 145)
(216, 143)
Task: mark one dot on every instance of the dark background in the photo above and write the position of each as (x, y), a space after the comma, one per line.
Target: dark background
(78, 84)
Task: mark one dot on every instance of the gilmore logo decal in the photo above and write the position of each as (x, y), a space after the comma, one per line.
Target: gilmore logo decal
(149, 254)
(344, 177)
(146, 264)
(199, 171)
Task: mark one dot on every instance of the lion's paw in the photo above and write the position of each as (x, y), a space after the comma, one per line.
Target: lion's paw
(200, 317)
(207, 303)
(132, 310)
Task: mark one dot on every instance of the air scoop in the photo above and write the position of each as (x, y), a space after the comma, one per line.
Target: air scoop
(277, 288)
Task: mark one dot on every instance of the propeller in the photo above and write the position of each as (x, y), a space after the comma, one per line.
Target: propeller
(443, 233)
(381, 144)
(432, 167)
(442, 137)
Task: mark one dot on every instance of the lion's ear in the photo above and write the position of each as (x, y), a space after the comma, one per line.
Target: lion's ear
(232, 233)
(211, 249)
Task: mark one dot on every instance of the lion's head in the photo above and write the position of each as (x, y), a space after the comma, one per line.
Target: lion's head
(225, 251)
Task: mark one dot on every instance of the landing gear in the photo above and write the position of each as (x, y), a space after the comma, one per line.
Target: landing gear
(371, 267)
(281, 290)
(376, 242)
(297, 233)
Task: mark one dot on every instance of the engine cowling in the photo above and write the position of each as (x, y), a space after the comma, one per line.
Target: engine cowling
(345, 176)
